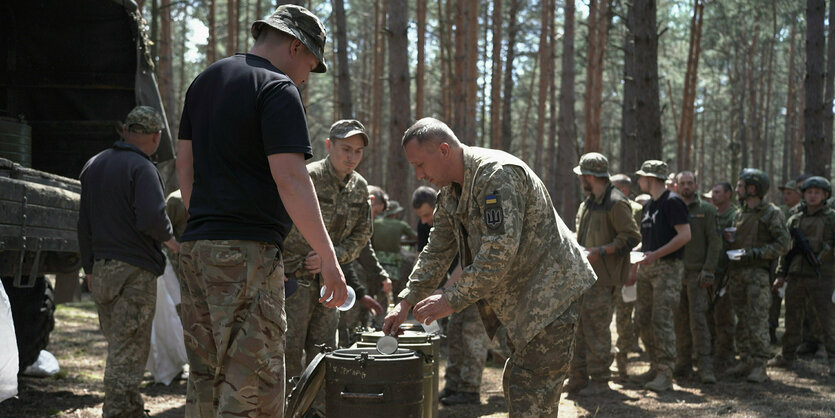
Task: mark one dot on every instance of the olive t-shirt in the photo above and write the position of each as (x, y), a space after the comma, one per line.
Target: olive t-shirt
(237, 112)
(659, 221)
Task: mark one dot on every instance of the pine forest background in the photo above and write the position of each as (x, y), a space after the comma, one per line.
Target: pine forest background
(709, 86)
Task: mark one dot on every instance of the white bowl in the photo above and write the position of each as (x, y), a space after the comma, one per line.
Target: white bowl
(735, 255)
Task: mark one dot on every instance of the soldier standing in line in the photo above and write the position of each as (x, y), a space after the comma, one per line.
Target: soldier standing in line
(121, 224)
(761, 233)
(519, 262)
(791, 201)
(606, 228)
(808, 283)
(665, 229)
(700, 257)
(721, 312)
(624, 321)
(346, 210)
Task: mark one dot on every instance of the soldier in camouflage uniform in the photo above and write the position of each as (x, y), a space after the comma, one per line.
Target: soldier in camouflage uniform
(520, 264)
(121, 224)
(808, 283)
(665, 229)
(240, 165)
(700, 257)
(721, 313)
(791, 203)
(761, 232)
(346, 210)
(607, 230)
(624, 321)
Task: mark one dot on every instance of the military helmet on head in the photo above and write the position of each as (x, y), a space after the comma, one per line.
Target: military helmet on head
(817, 181)
(756, 177)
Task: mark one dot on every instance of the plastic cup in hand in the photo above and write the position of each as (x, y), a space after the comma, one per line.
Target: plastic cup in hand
(731, 233)
(349, 301)
(636, 257)
(735, 255)
(431, 328)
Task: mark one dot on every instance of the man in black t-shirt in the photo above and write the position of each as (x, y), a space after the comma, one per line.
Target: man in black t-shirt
(665, 229)
(243, 143)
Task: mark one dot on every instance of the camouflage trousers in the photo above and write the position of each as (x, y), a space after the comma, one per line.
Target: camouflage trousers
(721, 322)
(468, 343)
(751, 294)
(533, 376)
(816, 294)
(125, 297)
(692, 332)
(309, 323)
(625, 324)
(234, 324)
(659, 287)
(592, 337)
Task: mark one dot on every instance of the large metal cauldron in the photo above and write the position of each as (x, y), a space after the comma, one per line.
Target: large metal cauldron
(421, 342)
(362, 383)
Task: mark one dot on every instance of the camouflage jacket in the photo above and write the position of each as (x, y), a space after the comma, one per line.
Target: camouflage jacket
(608, 219)
(702, 252)
(764, 228)
(346, 211)
(518, 256)
(819, 230)
(724, 220)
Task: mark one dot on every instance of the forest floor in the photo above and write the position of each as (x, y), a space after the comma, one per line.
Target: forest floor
(80, 348)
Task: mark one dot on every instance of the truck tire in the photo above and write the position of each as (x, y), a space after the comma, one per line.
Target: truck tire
(33, 311)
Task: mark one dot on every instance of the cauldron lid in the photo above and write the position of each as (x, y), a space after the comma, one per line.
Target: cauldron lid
(304, 393)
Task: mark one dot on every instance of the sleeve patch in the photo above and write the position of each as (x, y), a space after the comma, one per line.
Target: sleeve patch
(493, 215)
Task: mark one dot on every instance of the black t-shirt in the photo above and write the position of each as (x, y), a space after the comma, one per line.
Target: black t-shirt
(659, 220)
(422, 235)
(237, 112)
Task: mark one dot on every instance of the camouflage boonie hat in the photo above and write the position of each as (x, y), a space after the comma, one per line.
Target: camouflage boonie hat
(345, 128)
(593, 164)
(790, 185)
(144, 120)
(393, 208)
(653, 168)
(301, 24)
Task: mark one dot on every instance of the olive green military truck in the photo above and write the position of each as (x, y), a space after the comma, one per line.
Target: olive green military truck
(70, 71)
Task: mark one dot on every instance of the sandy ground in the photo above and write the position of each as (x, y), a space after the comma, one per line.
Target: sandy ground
(80, 348)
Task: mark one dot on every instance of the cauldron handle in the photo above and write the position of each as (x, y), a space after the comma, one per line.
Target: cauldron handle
(362, 396)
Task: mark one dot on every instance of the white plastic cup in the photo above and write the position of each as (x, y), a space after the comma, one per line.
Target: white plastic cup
(731, 233)
(636, 257)
(431, 328)
(629, 293)
(349, 301)
(735, 255)
(782, 290)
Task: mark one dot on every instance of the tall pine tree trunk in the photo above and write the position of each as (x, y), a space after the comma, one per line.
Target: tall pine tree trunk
(789, 128)
(829, 90)
(165, 68)
(211, 52)
(641, 137)
(377, 91)
(817, 159)
(343, 73)
(397, 175)
(472, 72)
(496, 79)
(544, 83)
(598, 27)
(566, 197)
(421, 57)
(507, 123)
(231, 27)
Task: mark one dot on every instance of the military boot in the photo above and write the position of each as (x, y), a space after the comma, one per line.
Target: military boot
(575, 383)
(620, 359)
(741, 368)
(757, 374)
(683, 370)
(461, 398)
(663, 380)
(706, 370)
(782, 362)
(595, 387)
(643, 377)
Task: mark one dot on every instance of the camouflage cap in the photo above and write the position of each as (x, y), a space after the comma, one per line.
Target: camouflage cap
(593, 164)
(653, 168)
(301, 24)
(345, 128)
(790, 185)
(144, 120)
(393, 208)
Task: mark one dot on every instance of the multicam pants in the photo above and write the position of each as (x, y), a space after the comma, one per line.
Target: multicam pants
(309, 323)
(659, 287)
(692, 332)
(721, 317)
(625, 324)
(815, 293)
(468, 343)
(533, 375)
(751, 294)
(234, 325)
(125, 297)
(593, 338)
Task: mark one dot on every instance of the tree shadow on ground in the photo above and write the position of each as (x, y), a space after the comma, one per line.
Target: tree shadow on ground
(494, 404)
(32, 402)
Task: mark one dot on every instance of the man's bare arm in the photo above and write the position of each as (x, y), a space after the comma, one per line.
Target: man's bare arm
(185, 170)
(299, 198)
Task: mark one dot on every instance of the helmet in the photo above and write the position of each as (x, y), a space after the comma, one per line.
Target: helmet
(756, 177)
(818, 182)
